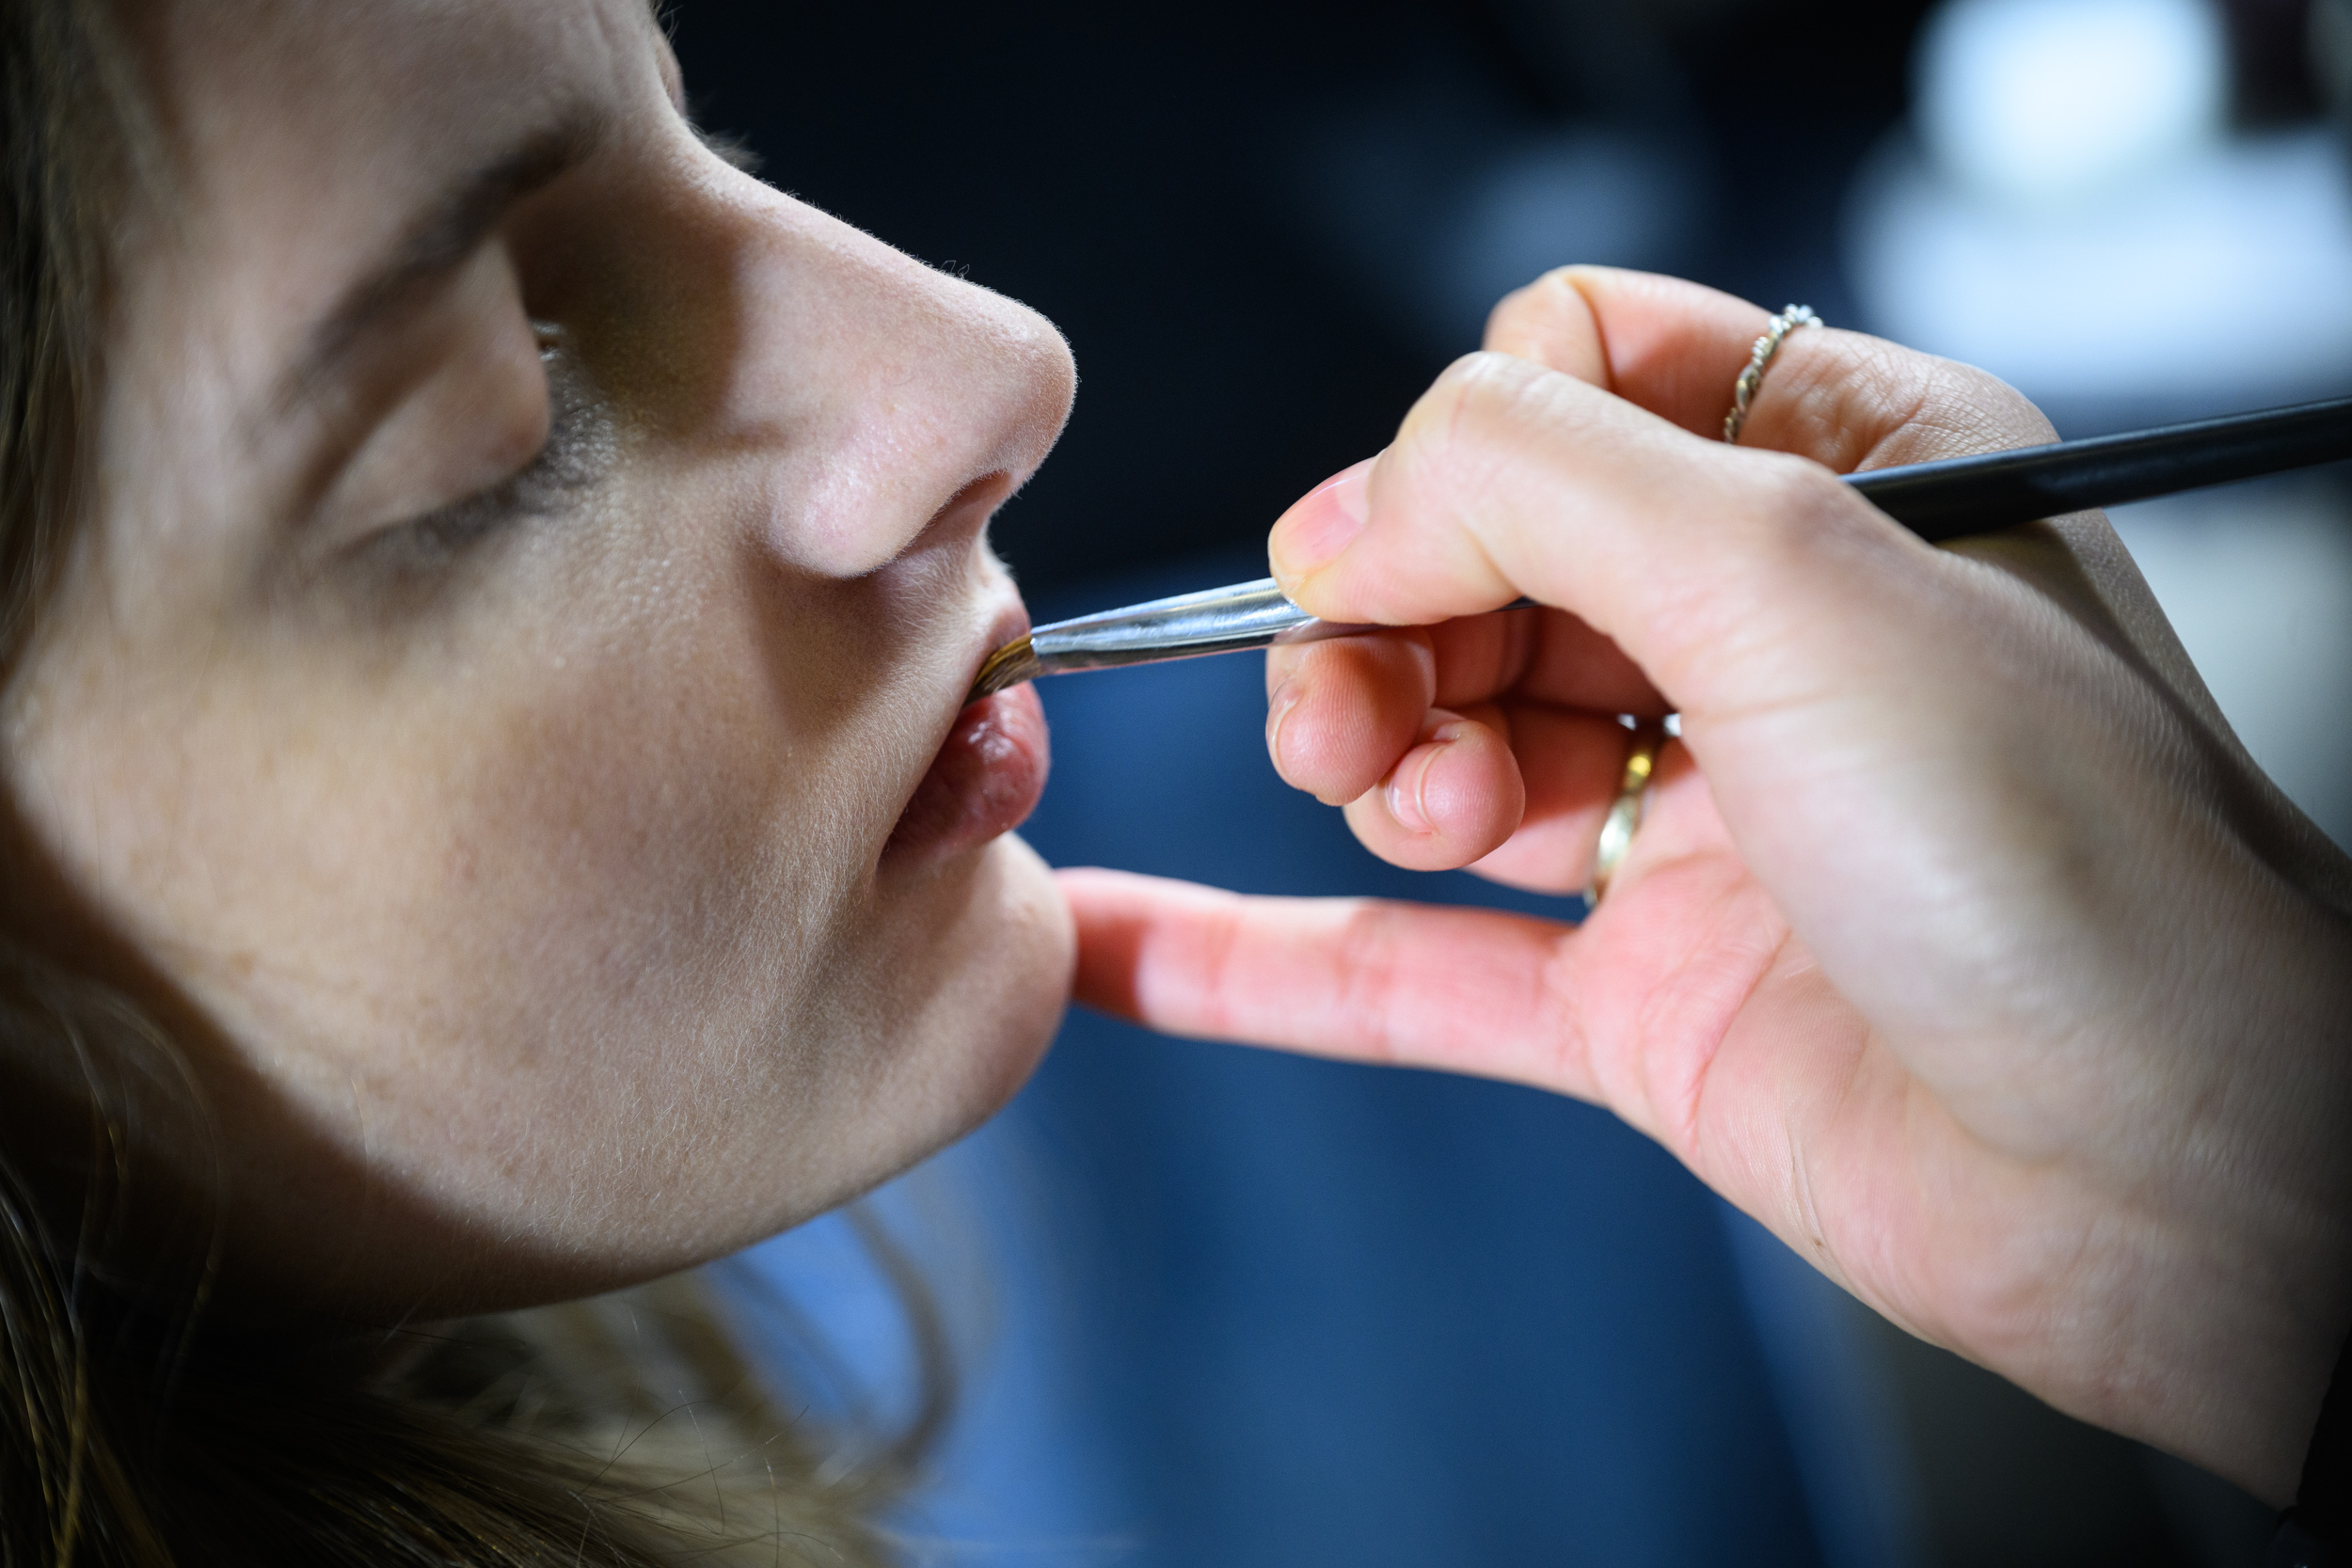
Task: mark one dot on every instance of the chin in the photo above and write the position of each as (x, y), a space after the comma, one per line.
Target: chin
(970, 998)
(1016, 950)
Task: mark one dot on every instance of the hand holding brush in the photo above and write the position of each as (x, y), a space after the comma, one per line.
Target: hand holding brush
(1957, 938)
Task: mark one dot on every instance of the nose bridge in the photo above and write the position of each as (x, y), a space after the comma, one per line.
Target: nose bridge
(909, 385)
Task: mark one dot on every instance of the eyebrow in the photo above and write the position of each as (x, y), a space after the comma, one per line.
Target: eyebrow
(446, 235)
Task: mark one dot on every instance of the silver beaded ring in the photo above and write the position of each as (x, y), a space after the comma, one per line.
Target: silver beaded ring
(1743, 392)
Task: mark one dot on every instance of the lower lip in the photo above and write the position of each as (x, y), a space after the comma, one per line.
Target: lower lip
(984, 783)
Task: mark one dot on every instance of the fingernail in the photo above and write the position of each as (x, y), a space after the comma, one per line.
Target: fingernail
(1279, 708)
(1325, 521)
(1405, 798)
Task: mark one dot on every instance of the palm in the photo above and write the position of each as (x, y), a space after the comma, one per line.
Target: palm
(1713, 1026)
(1689, 1006)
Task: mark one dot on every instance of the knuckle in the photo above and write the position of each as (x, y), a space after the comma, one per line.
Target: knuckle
(1479, 377)
(1964, 410)
(1478, 403)
(1856, 401)
(1792, 505)
(1533, 304)
(1799, 488)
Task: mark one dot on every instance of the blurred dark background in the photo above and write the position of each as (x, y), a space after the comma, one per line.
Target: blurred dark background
(1245, 215)
(1248, 1309)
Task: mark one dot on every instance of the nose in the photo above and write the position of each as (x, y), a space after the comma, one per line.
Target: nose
(879, 397)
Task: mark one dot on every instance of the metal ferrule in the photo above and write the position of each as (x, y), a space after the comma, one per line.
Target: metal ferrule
(1218, 621)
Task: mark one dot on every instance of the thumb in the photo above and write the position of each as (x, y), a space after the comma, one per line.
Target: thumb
(1509, 478)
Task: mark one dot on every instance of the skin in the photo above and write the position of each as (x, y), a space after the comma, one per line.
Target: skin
(522, 882)
(1962, 944)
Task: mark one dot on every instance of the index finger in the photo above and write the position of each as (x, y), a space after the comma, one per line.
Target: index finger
(1847, 402)
(1675, 348)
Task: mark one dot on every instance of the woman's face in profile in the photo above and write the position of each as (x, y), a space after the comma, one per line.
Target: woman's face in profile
(503, 708)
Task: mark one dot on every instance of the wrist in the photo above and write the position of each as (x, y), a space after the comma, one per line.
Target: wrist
(2258, 1311)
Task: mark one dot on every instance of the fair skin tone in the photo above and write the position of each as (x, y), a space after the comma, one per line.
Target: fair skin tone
(505, 712)
(504, 709)
(1962, 944)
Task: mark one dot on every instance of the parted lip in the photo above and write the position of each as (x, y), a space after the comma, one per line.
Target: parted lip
(1010, 622)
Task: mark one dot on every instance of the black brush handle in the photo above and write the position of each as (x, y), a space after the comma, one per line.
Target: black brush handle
(1977, 495)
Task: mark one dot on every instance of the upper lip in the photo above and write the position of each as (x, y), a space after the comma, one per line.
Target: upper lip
(1009, 620)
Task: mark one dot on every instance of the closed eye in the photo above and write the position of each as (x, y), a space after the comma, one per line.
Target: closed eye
(577, 453)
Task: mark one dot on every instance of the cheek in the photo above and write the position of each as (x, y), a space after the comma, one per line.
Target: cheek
(594, 877)
(517, 925)
(564, 921)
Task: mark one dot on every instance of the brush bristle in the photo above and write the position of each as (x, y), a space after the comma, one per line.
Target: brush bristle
(1009, 665)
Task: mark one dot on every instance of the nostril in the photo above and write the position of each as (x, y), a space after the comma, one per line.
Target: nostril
(968, 510)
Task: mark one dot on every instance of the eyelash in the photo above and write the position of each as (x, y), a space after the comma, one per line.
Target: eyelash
(572, 457)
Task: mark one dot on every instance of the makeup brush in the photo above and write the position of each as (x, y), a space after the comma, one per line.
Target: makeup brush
(1936, 500)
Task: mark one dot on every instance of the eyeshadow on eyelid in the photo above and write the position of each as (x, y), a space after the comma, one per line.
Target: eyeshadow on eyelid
(578, 450)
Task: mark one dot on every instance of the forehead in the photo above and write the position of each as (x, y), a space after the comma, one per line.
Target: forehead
(277, 83)
(303, 139)
(303, 134)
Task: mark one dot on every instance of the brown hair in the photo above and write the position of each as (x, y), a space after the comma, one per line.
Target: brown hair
(627, 1431)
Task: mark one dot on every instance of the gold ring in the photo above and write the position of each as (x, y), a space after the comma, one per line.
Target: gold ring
(1743, 390)
(1624, 812)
